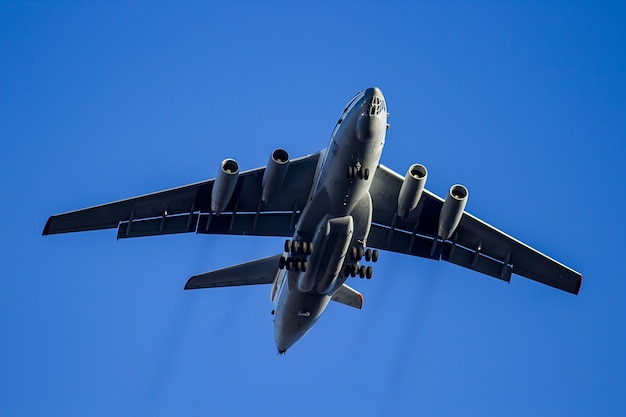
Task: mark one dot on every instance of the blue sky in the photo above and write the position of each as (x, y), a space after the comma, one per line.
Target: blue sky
(522, 102)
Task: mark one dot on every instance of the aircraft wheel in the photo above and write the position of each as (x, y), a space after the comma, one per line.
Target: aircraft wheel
(281, 263)
(310, 248)
(297, 265)
(369, 272)
(362, 271)
(368, 254)
(375, 255)
(366, 174)
(304, 265)
(304, 248)
(294, 247)
(289, 264)
(350, 172)
(359, 253)
(352, 253)
(360, 173)
(353, 270)
(287, 245)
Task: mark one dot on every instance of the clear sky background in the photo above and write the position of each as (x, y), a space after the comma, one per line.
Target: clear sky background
(523, 102)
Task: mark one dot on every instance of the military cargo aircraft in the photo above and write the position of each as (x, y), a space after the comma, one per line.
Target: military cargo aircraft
(337, 208)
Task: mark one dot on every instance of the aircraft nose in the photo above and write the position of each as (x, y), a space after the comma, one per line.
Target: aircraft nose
(374, 92)
(373, 115)
(374, 103)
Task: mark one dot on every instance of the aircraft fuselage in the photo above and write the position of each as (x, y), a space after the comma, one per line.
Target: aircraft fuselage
(336, 218)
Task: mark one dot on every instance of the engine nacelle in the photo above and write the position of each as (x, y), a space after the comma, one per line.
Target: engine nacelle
(452, 211)
(224, 185)
(411, 189)
(274, 175)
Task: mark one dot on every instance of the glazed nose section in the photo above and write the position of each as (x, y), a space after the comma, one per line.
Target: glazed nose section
(373, 117)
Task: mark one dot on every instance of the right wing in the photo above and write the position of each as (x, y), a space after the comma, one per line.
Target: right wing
(188, 208)
(261, 271)
(475, 244)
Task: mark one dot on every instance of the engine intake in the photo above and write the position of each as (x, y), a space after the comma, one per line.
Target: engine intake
(224, 185)
(452, 211)
(274, 174)
(411, 189)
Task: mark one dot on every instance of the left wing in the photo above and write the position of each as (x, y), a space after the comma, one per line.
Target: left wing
(475, 244)
(188, 208)
(261, 271)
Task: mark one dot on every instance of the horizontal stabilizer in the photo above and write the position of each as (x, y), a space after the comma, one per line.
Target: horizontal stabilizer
(348, 296)
(261, 271)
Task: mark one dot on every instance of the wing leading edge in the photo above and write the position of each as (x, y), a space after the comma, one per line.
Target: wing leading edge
(475, 244)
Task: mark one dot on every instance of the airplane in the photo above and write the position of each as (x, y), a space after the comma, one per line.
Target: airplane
(336, 208)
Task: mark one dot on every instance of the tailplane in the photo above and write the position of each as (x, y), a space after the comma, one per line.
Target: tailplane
(348, 296)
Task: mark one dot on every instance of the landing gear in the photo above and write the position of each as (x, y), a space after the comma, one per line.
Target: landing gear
(371, 255)
(299, 250)
(362, 271)
(355, 254)
(356, 171)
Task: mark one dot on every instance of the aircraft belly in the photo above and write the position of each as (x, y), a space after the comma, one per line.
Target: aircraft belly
(331, 242)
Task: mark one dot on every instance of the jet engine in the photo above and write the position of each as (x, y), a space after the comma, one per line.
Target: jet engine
(452, 211)
(224, 185)
(274, 174)
(411, 189)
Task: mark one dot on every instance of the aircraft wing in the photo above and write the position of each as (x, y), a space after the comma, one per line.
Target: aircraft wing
(188, 208)
(261, 271)
(475, 244)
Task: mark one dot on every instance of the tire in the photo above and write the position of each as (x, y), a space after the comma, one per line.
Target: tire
(369, 272)
(362, 271)
(304, 248)
(368, 254)
(296, 265)
(375, 255)
(281, 263)
(295, 247)
(304, 265)
(287, 245)
(359, 253)
(366, 174)
(289, 264)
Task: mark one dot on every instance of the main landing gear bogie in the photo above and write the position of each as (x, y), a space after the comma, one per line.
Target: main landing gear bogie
(355, 255)
(297, 252)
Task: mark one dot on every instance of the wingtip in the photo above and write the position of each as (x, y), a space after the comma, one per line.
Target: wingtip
(188, 284)
(46, 228)
(580, 283)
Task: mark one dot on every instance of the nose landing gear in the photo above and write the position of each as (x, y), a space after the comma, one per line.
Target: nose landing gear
(356, 171)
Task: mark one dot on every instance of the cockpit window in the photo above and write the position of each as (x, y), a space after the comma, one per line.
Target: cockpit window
(376, 106)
